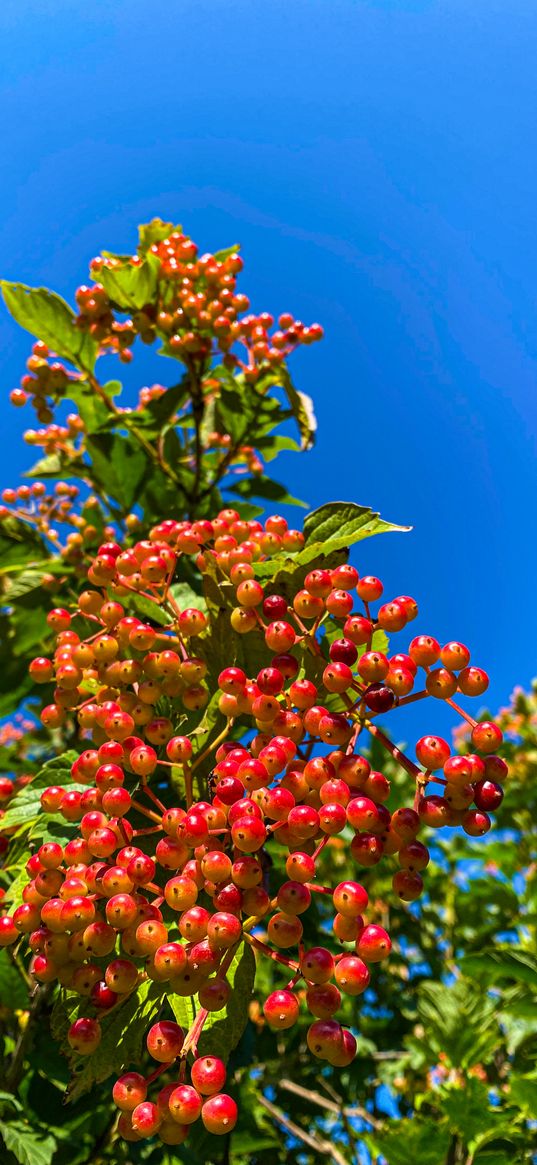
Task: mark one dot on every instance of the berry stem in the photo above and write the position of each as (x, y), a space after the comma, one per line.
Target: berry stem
(212, 747)
(270, 954)
(469, 719)
(398, 756)
(152, 796)
(146, 812)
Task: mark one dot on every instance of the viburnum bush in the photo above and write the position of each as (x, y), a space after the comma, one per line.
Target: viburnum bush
(202, 848)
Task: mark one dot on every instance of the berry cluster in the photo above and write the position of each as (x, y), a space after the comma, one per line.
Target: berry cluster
(46, 382)
(62, 439)
(175, 892)
(73, 526)
(196, 309)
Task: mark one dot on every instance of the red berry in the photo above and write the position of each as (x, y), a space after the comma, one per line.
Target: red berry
(219, 1114)
(281, 1010)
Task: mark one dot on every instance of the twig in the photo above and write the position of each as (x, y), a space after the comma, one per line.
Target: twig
(15, 1071)
(338, 1108)
(327, 1148)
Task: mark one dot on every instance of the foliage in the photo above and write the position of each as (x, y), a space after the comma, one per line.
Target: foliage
(447, 1029)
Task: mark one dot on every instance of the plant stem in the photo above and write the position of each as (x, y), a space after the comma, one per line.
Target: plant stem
(15, 1071)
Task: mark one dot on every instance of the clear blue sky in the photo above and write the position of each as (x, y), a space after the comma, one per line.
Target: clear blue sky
(376, 160)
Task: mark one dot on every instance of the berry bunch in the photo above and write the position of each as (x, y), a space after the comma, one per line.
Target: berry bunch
(174, 893)
(45, 383)
(196, 309)
(62, 439)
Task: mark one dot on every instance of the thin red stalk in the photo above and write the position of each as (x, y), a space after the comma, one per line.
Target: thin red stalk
(398, 756)
(270, 954)
(146, 812)
(152, 796)
(469, 719)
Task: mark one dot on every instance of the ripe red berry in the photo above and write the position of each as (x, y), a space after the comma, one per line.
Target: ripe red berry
(164, 1041)
(373, 944)
(185, 1104)
(281, 1010)
(219, 1114)
(352, 975)
(208, 1075)
(129, 1090)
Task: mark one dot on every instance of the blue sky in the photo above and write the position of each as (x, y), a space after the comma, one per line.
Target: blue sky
(376, 160)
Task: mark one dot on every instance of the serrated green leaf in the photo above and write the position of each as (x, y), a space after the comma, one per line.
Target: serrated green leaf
(48, 317)
(223, 1029)
(12, 986)
(261, 486)
(123, 1034)
(30, 1146)
(131, 286)
(340, 524)
(118, 467)
(26, 805)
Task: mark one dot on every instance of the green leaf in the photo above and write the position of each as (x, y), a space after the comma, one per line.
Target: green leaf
(119, 468)
(402, 1141)
(269, 447)
(30, 1146)
(223, 1029)
(49, 466)
(468, 1109)
(302, 408)
(339, 524)
(12, 986)
(152, 419)
(261, 486)
(460, 1021)
(26, 805)
(92, 407)
(47, 316)
(131, 286)
(523, 1094)
(123, 1034)
(181, 592)
(154, 232)
(501, 963)
(224, 254)
(20, 546)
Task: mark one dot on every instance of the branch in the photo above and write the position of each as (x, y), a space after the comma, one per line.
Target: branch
(327, 1148)
(336, 1106)
(15, 1071)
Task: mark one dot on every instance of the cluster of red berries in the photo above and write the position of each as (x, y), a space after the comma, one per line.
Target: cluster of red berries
(62, 439)
(178, 1105)
(34, 504)
(73, 526)
(45, 383)
(174, 892)
(196, 308)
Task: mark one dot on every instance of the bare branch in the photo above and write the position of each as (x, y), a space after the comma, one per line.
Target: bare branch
(317, 1143)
